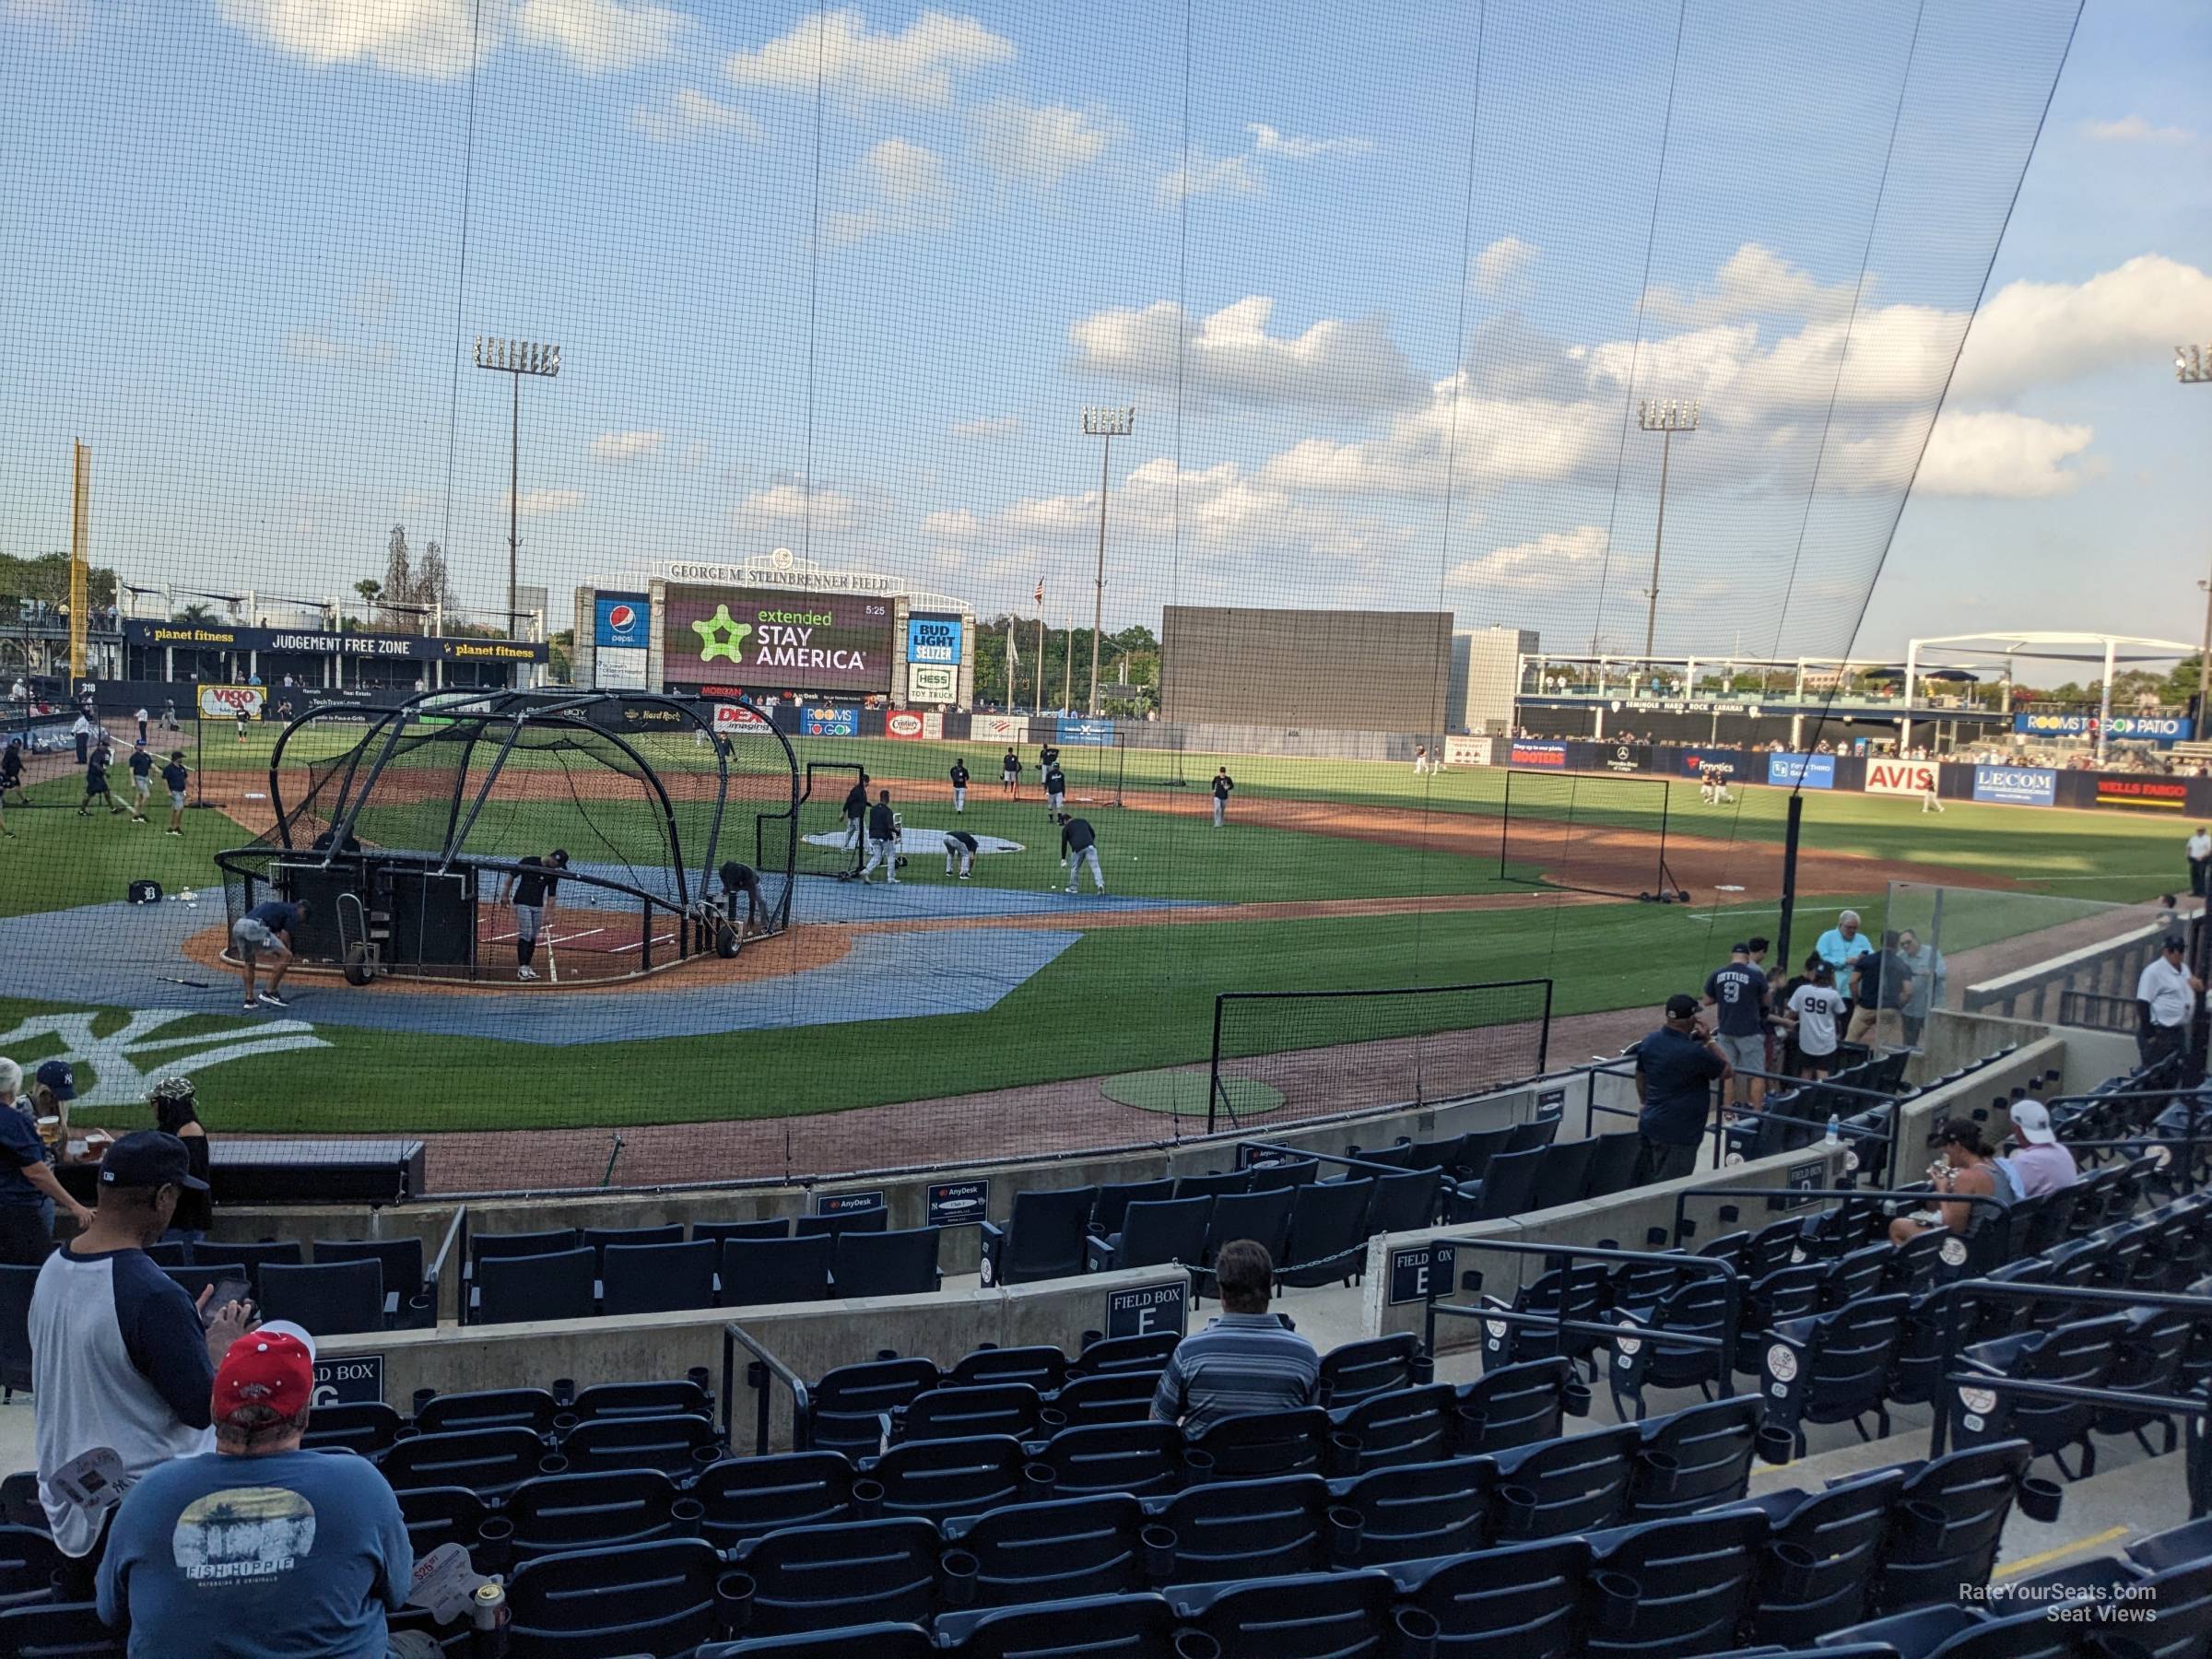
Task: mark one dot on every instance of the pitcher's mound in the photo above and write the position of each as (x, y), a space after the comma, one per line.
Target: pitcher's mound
(1183, 1093)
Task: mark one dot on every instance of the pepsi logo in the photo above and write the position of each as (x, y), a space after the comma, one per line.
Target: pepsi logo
(622, 617)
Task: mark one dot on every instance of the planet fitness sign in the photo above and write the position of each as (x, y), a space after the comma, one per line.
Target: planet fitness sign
(2016, 785)
(811, 643)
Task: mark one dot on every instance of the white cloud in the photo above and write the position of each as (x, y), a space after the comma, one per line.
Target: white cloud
(317, 346)
(433, 39)
(987, 426)
(597, 36)
(543, 504)
(1996, 452)
(1040, 144)
(957, 525)
(371, 300)
(918, 65)
(618, 447)
(2039, 333)
(2134, 129)
(787, 505)
(1230, 354)
(1266, 141)
(1502, 263)
(1558, 559)
(1754, 281)
(1226, 175)
(1526, 437)
(907, 190)
(689, 113)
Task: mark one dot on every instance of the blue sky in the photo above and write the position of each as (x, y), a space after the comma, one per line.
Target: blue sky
(1385, 321)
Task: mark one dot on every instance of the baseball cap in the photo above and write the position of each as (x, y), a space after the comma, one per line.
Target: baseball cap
(2174, 942)
(271, 1369)
(55, 1075)
(1739, 950)
(2031, 1123)
(1681, 1005)
(147, 1157)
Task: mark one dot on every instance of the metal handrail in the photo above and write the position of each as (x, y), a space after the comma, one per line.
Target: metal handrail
(763, 1368)
(1907, 1194)
(1560, 1255)
(454, 1229)
(1352, 1161)
(1967, 1292)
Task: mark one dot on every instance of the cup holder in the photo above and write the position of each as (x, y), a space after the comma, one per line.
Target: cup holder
(1343, 1453)
(1517, 1506)
(699, 1376)
(1051, 1420)
(1776, 1444)
(564, 1390)
(1416, 1633)
(1198, 1465)
(2041, 1497)
(1347, 1527)
(867, 1499)
(553, 1463)
(564, 1424)
(734, 1601)
(493, 1551)
(1924, 1525)
(1575, 1398)
(957, 1568)
(685, 1515)
(1617, 1595)
(1194, 1644)
(423, 1396)
(1039, 1481)
(1159, 1553)
(1662, 1471)
(1793, 1566)
(706, 1456)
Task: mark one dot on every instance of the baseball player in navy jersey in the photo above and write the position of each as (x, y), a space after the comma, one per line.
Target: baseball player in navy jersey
(856, 812)
(959, 785)
(1223, 784)
(883, 841)
(1009, 774)
(1056, 788)
(1080, 846)
(959, 848)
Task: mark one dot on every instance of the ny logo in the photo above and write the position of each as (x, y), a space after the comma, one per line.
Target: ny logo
(127, 1062)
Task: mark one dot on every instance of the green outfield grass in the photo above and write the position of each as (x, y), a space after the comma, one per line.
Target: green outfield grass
(58, 861)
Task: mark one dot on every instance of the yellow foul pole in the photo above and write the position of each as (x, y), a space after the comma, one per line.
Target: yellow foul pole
(80, 557)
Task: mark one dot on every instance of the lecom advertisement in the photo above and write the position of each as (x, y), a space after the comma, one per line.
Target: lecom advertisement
(775, 642)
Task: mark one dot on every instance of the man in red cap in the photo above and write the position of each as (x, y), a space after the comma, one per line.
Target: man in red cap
(259, 1549)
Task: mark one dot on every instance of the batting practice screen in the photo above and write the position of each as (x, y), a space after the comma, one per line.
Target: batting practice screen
(1587, 834)
(1337, 670)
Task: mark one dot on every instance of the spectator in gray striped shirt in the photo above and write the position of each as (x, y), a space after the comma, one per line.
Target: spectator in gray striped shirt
(1244, 1362)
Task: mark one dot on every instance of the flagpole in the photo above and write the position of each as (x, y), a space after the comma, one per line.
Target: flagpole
(1067, 682)
(1011, 660)
(1041, 653)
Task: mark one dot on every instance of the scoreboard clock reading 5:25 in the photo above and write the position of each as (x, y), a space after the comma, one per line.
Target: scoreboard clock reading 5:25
(773, 641)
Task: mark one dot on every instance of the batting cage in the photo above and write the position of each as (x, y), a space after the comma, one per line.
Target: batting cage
(1285, 1054)
(831, 841)
(1094, 771)
(1587, 835)
(598, 829)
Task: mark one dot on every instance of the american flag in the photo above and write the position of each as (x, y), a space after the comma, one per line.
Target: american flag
(1041, 590)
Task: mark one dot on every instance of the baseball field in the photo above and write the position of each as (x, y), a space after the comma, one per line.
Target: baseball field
(882, 1015)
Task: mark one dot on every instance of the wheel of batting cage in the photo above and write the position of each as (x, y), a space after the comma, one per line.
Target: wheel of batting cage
(1682, 896)
(361, 963)
(727, 941)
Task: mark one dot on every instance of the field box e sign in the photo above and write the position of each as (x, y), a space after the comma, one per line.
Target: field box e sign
(1143, 1310)
(349, 1380)
(1415, 1270)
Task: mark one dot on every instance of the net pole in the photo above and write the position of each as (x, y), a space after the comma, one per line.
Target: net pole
(1213, 1078)
(1793, 826)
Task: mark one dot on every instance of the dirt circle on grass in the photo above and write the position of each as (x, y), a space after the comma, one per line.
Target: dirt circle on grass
(795, 950)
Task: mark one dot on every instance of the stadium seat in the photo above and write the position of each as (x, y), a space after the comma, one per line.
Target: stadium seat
(883, 1639)
(1213, 1183)
(1613, 1165)
(1834, 1367)
(761, 1272)
(1697, 1306)
(1334, 1614)
(1419, 1510)
(1945, 1525)
(1154, 1235)
(1148, 1352)
(196, 1278)
(628, 1599)
(1351, 1372)
(933, 1479)
(1053, 1551)
(482, 1246)
(513, 1289)
(363, 1426)
(1097, 1626)
(1043, 1368)
(954, 1413)
(58, 1631)
(1143, 1458)
(1528, 1598)
(1563, 1175)
(487, 1461)
(1508, 1187)
(589, 1511)
(1475, 1151)
(1577, 1485)
(597, 1238)
(252, 1257)
(168, 1253)
(1816, 1572)
(819, 1578)
(1042, 1240)
(1695, 1459)
(748, 1497)
(331, 1299)
(684, 1397)
(28, 1559)
(1275, 1173)
(531, 1408)
(714, 1232)
(1575, 1292)
(1536, 1135)
(875, 1218)
(849, 1403)
(438, 1515)
(1116, 1197)
(1327, 1242)
(2080, 1355)
(1404, 1203)
(1689, 1583)
(1517, 1406)
(1260, 1445)
(886, 1263)
(406, 1303)
(1251, 1529)
(1263, 1217)
(1405, 1426)
(678, 1445)
(2149, 1361)
(657, 1278)
(1109, 1397)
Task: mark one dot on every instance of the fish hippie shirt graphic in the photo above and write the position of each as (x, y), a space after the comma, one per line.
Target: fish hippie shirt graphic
(759, 639)
(243, 1534)
(126, 1062)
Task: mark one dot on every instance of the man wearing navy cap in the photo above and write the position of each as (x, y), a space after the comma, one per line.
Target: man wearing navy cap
(1675, 1069)
(29, 1192)
(122, 1358)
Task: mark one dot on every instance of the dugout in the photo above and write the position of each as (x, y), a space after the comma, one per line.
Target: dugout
(406, 833)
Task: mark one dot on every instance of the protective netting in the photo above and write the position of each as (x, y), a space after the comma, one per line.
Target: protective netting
(1228, 400)
(1588, 834)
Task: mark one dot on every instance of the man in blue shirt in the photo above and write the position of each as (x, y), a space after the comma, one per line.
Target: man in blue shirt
(1738, 994)
(1245, 1361)
(266, 930)
(1839, 946)
(29, 1192)
(259, 1549)
(1676, 1068)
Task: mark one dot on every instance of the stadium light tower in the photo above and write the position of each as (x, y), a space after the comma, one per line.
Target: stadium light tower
(2193, 367)
(1107, 421)
(515, 357)
(1666, 417)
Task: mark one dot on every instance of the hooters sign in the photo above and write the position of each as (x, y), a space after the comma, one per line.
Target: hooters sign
(231, 703)
(1902, 777)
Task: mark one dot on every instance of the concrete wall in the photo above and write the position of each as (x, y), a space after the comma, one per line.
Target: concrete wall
(809, 1337)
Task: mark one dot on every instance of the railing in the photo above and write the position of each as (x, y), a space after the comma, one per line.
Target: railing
(455, 1230)
(762, 1371)
(2113, 1399)
(1557, 1258)
(1684, 1227)
(1727, 1115)
(1349, 1160)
